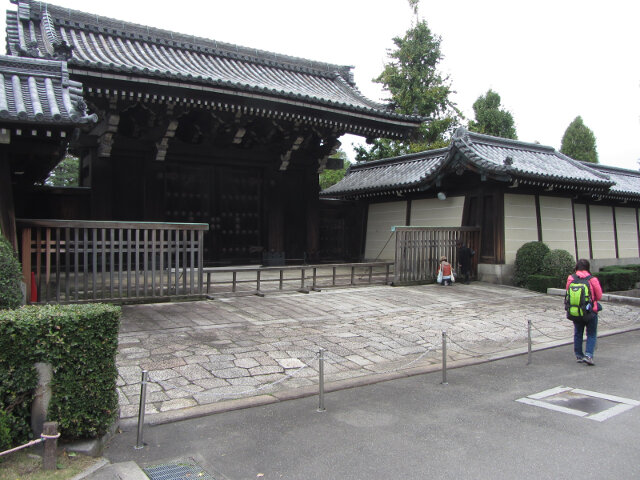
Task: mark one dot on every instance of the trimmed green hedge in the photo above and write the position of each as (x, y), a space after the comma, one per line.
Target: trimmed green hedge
(529, 261)
(10, 276)
(80, 342)
(614, 279)
(540, 283)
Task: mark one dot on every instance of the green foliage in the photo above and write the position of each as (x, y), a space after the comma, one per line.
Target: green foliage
(5, 431)
(331, 177)
(65, 174)
(617, 279)
(80, 342)
(558, 263)
(579, 142)
(540, 283)
(490, 119)
(10, 276)
(529, 261)
(416, 87)
(632, 268)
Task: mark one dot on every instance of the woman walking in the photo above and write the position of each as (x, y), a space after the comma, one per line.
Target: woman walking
(591, 319)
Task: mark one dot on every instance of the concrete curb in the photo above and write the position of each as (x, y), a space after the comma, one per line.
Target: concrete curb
(129, 424)
(607, 297)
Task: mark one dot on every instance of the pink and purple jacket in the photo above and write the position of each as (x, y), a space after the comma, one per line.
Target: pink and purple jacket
(594, 285)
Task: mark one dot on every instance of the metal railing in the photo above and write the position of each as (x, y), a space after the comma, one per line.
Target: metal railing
(75, 261)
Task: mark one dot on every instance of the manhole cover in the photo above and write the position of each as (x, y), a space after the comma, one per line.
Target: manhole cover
(178, 471)
(582, 403)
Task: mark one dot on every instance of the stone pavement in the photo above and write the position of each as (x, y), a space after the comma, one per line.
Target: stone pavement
(206, 353)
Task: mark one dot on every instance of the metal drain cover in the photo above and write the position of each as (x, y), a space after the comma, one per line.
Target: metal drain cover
(183, 470)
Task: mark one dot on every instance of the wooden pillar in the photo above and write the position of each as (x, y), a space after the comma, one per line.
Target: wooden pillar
(102, 191)
(313, 216)
(50, 446)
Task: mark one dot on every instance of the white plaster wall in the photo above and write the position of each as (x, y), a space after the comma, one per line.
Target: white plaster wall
(556, 218)
(431, 212)
(520, 224)
(602, 235)
(627, 232)
(381, 217)
(582, 230)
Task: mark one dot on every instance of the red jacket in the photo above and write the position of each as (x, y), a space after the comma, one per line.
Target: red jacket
(594, 285)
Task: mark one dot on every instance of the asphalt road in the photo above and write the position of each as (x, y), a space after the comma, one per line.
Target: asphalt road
(416, 428)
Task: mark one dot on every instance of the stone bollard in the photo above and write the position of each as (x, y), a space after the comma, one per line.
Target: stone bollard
(42, 397)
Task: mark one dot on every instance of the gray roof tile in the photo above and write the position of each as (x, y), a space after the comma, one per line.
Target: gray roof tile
(503, 159)
(39, 91)
(111, 45)
(400, 173)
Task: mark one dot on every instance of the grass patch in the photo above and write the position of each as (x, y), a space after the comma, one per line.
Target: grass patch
(28, 466)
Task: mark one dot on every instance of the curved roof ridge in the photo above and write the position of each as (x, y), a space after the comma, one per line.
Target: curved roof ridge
(612, 168)
(462, 132)
(408, 157)
(191, 42)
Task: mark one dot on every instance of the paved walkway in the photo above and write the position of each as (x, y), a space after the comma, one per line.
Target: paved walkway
(201, 354)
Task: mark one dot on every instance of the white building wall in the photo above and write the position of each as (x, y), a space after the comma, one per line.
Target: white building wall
(602, 234)
(431, 212)
(582, 230)
(556, 219)
(520, 223)
(627, 232)
(381, 217)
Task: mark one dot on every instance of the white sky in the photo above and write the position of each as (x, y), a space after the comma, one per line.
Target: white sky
(550, 61)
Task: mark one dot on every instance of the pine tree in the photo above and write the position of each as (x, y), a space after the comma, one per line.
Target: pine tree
(579, 142)
(490, 119)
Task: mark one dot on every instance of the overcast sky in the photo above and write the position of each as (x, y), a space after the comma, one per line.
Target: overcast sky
(550, 61)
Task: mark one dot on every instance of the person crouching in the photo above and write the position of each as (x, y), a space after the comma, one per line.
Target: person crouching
(445, 276)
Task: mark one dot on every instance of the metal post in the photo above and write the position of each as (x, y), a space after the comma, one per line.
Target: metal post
(529, 341)
(321, 383)
(444, 358)
(143, 402)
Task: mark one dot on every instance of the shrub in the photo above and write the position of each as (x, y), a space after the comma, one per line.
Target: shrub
(558, 263)
(10, 276)
(5, 431)
(80, 342)
(631, 268)
(540, 283)
(529, 261)
(616, 279)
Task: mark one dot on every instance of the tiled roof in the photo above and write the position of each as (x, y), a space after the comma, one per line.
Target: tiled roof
(39, 91)
(502, 159)
(95, 42)
(401, 173)
(627, 182)
(527, 162)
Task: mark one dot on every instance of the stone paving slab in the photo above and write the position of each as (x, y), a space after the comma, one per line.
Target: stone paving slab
(202, 353)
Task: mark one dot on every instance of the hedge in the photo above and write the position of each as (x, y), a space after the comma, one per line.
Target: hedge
(617, 279)
(10, 276)
(540, 283)
(529, 261)
(80, 342)
(615, 268)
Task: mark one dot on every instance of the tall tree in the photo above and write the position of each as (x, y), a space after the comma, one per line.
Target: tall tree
(331, 177)
(579, 142)
(490, 118)
(416, 87)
